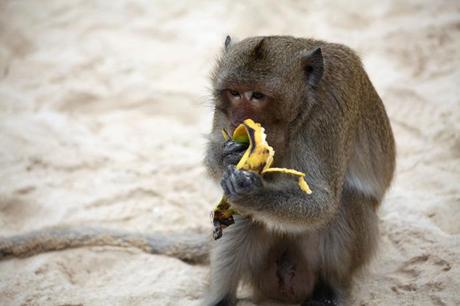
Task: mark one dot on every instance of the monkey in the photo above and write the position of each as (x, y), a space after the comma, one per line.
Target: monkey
(323, 116)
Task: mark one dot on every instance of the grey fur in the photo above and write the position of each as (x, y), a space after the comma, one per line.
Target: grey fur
(334, 128)
(189, 247)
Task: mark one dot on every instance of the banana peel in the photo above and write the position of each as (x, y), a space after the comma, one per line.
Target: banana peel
(258, 157)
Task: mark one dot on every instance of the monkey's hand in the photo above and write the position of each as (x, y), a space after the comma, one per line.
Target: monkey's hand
(238, 184)
(232, 152)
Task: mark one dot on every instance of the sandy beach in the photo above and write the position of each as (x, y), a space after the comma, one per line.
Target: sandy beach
(104, 109)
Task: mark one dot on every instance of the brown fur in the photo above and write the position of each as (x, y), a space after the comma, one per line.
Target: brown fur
(323, 117)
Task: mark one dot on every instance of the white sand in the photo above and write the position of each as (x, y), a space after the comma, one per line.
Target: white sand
(103, 108)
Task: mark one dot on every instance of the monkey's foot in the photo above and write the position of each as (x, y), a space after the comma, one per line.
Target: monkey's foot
(323, 295)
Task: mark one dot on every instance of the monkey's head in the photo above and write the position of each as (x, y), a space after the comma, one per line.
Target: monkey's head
(267, 79)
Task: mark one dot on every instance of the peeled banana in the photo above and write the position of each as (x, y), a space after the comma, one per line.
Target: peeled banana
(258, 157)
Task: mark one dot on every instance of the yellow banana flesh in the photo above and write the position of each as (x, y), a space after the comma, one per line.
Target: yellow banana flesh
(258, 157)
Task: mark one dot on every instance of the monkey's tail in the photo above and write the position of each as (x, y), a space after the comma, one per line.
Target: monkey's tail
(190, 247)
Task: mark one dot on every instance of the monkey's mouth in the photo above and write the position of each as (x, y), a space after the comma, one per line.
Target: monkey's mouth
(232, 128)
(235, 124)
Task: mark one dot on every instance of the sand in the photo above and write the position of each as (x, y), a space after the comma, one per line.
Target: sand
(104, 107)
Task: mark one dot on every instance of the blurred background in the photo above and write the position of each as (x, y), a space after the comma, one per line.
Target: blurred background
(104, 109)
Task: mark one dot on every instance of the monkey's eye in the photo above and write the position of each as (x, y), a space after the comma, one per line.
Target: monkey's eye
(234, 93)
(257, 95)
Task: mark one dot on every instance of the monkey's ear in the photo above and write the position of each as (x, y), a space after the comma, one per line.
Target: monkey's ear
(313, 66)
(228, 41)
(258, 50)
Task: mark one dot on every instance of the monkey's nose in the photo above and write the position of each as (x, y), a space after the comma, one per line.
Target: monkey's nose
(247, 95)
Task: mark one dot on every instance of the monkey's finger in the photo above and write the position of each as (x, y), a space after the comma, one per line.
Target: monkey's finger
(223, 184)
(256, 179)
(226, 173)
(234, 180)
(234, 188)
(242, 179)
(232, 159)
(226, 182)
(231, 146)
(243, 182)
(249, 181)
(229, 187)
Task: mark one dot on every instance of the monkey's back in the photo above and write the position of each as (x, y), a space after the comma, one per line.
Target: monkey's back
(371, 160)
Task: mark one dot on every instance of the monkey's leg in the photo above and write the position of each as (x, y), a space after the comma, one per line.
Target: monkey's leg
(346, 247)
(231, 256)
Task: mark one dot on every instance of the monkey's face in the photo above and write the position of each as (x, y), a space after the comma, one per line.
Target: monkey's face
(239, 101)
(260, 78)
(253, 81)
(244, 103)
(266, 79)
(244, 95)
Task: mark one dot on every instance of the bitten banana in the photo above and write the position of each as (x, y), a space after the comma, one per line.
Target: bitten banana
(258, 157)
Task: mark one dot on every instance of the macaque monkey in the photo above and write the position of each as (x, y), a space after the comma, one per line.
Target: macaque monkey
(323, 117)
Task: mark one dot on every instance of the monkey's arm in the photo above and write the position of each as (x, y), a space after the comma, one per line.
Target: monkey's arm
(189, 247)
(278, 199)
(282, 203)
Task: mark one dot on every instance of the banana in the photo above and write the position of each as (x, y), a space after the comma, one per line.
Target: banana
(258, 157)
